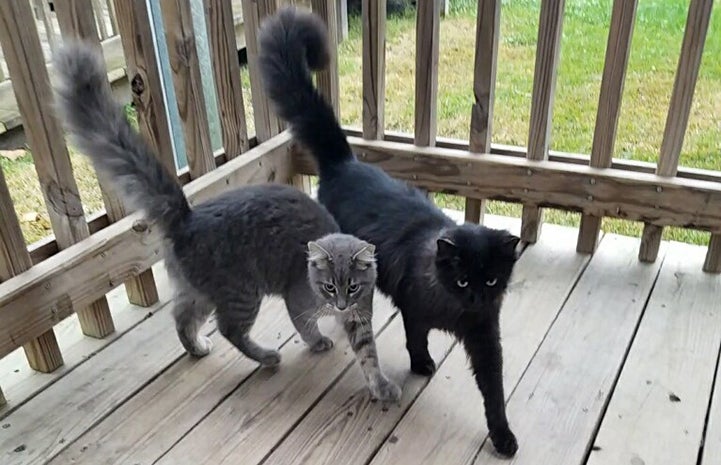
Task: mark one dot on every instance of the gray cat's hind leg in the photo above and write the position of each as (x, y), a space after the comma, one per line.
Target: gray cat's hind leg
(235, 321)
(191, 311)
(303, 309)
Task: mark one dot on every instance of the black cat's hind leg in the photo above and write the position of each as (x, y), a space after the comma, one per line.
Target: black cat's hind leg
(417, 345)
(483, 345)
(235, 319)
(303, 308)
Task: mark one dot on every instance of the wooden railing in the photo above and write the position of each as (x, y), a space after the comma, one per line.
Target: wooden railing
(73, 272)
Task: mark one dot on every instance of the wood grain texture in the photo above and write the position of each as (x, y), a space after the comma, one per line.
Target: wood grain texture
(248, 424)
(657, 411)
(183, 56)
(428, 20)
(77, 21)
(712, 264)
(266, 123)
(697, 22)
(125, 368)
(567, 385)
(42, 353)
(548, 49)
(226, 71)
(346, 426)
(22, 383)
(31, 84)
(374, 67)
(618, 47)
(488, 22)
(424, 435)
(601, 192)
(712, 440)
(327, 79)
(144, 75)
(144, 428)
(79, 275)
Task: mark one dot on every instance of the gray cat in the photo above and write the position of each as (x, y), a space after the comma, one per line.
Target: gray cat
(232, 251)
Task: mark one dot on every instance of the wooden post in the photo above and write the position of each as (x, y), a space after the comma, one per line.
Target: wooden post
(374, 67)
(226, 69)
(43, 353)
(342, 10)
(428, 18)
(134, 26)
(328, 78)
(609, 106)
(77, 21)
(699, 15)
(712, 264)
(3, 401)
(544, 88)
(31, 85)
(488, 27)
(266, 123)
(180, 37)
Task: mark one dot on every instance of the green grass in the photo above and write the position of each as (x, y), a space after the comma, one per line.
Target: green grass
(652, 65)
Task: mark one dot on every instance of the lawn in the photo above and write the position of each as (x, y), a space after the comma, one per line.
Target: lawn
(656, 44)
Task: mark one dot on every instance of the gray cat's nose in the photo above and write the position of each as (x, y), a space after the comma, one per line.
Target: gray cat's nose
(341, 306)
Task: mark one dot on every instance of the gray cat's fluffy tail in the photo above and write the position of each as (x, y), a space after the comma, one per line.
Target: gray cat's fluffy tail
(99, 128)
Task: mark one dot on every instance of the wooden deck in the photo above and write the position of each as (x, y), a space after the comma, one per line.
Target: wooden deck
(607, 361)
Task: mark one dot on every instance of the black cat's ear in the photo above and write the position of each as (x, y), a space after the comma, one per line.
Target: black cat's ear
(365, 257)
(446, 248)
(511, 243)
(318, 256)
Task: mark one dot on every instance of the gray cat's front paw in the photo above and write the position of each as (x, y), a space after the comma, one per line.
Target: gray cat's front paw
(270, 358)
(324, 344)
(385, 390)
(202, 347)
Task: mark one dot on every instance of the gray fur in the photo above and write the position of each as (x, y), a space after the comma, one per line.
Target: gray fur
(230, 252)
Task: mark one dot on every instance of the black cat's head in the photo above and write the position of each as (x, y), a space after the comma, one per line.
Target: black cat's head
(475, 263)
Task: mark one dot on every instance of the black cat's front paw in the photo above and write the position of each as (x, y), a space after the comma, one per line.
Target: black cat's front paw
(505, 443)
(424, 366)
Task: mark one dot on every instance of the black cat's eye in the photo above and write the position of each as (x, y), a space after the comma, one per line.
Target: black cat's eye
(491, 282)
(329, 288)
(462, 283)
(353, 288)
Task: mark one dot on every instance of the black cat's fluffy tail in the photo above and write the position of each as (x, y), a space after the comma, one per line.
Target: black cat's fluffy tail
(292, 44)
(98, 127)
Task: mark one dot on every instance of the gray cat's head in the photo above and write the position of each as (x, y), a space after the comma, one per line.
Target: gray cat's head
(341, 270)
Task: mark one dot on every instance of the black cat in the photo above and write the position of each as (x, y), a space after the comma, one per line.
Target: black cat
(440, 275)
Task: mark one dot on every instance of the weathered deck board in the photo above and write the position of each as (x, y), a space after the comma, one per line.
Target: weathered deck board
(566, 386)
(656, 414)
(426, 437)
(145, 427)
(140, 400)
(247, 425)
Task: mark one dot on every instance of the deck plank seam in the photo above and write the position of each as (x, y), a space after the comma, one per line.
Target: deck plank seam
(602, 414)
(707, 417)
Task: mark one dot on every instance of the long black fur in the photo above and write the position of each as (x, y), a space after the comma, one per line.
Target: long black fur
(440, 275)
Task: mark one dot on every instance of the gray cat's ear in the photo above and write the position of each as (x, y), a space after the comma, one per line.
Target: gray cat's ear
(365, 257)
(317, 255)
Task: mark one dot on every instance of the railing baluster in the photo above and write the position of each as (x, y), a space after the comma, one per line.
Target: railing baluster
(31, 85)
(77, 21)
(428, 18)
(374, 67)
(183, 55)
(699, 15)
(488, 21)
(226, 69)
(609, 106)
(544, 87)
(328, 78)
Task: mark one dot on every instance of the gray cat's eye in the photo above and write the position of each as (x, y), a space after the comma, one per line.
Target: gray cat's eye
(329, 288)
(461, 283)
(492, 282)
(353, 288)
